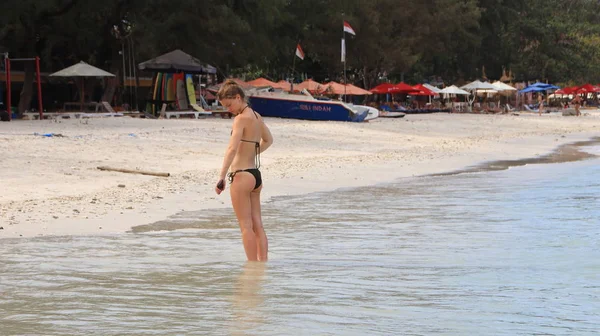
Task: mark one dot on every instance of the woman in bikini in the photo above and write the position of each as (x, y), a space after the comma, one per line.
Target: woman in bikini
(250, 136)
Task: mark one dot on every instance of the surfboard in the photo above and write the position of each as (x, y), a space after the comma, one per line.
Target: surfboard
(156, 91)
(191, 93)
(181, 96)
(163, 88)
(170, 88)
(177, 93)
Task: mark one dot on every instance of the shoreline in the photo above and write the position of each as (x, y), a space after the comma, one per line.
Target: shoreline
(307, 157)
(568, 152)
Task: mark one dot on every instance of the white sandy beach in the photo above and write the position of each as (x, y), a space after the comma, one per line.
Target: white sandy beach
(51, 185)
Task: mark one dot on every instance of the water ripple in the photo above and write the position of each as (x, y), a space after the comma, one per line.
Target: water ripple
(511, 252)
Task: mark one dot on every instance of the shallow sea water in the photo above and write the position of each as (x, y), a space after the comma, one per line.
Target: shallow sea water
(508, 252)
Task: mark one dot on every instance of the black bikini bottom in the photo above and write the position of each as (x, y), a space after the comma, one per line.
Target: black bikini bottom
(254, 171)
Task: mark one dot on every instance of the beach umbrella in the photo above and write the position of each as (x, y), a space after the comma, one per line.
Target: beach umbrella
(566, 91)
(334, 88)
(177, 61)
(422, 91)
(503, 87)
(80, 71)
(533, 89)
(453, 89)
(479, 86)
(382, 88)
(356, 91)
(283, 85)
(432, 88)
(309, 85)
(544, 85)
(241, 83)
(341, 89)
(261, 82)
(587, 88)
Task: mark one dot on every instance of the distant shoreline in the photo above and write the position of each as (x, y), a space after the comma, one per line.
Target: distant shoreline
(569, 152)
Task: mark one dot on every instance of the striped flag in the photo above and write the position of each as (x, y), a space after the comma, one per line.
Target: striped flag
(348, 29)
(299, 52)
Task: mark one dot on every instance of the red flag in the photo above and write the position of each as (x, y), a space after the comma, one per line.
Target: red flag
(348, 29)
(299, 52)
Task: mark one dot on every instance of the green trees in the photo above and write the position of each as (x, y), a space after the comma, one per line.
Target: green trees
(555, 40)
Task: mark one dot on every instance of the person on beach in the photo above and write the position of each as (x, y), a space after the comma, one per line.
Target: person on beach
(250, 136)
(577, 102)
(541, 104)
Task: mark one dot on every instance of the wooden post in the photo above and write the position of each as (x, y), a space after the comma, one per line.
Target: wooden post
(8, 91)
(39, 87)
(162, 111)
(132, 171)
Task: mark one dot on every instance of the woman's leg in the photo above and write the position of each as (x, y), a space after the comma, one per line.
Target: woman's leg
(262, 243)
(240, 190)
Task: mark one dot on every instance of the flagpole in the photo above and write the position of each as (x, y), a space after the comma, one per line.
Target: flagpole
(344, 51)
(293, 69)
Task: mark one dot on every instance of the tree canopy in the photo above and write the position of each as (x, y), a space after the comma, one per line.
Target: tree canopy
(414, 40)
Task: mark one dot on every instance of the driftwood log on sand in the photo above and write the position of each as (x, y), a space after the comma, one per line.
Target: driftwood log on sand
(134, 171)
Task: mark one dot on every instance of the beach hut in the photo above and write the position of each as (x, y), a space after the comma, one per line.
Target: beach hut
(177, 61)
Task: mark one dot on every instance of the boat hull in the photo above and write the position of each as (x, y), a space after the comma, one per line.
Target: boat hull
(304, 109)
(390, 114)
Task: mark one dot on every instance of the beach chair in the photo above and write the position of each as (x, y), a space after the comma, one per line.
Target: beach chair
(477, 108)
(529, 109)
(508, 108)
(107, 107)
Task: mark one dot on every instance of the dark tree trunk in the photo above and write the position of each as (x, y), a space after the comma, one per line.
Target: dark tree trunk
(111, 84)
(27, 91)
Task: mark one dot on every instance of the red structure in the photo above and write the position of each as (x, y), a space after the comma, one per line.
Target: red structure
(7, 61)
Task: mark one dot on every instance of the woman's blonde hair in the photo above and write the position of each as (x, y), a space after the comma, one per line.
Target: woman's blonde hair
(229, 89)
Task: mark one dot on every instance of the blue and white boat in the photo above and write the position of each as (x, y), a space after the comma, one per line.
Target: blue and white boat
(303, 106)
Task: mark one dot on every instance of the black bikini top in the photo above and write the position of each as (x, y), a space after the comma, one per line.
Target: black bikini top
(256, 144)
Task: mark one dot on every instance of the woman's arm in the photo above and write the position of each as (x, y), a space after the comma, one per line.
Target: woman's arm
(234, 143)
(266, 139)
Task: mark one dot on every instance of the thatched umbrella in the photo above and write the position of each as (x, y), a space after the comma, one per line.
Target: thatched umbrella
(80, 71)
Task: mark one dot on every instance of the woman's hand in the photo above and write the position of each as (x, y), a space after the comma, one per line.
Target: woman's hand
(220, 186)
